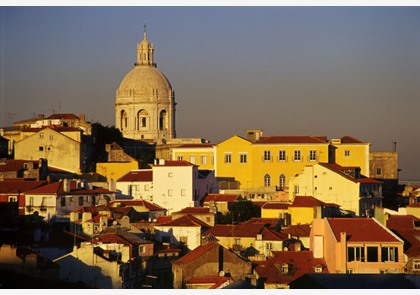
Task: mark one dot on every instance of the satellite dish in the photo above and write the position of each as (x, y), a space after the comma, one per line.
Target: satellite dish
(221, 273)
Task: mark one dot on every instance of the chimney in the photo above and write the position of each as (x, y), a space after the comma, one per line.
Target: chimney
(82, 117)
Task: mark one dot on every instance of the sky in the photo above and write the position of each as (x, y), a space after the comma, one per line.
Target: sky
(288, 70)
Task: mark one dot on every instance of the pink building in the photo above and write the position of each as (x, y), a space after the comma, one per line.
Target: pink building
(356, 245)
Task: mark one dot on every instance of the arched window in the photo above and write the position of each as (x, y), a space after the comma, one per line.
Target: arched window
(123, 120)
(282, 182)
(141, 119)
(163, 121)
(267, 180)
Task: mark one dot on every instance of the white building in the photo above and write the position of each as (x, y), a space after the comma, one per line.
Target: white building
(179, 184)
(137, 184)
(344, 186)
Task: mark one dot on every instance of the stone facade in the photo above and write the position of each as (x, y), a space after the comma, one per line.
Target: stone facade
(383, 165)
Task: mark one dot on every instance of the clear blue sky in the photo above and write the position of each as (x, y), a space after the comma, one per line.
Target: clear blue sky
(331, 71)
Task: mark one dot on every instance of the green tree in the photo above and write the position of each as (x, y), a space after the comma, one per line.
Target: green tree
(240, 211)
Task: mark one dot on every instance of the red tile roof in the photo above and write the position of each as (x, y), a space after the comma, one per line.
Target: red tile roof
(137, 175)
(172, 163)
(360, 230)
(307, 202)
(133, 203)
(276, 206)
(197, 252)
(340, 170)
(302, 262)
(271, 235)
(19, 186)
(404, 222)
(193, 210)
(349, 139)
(53, 127)
(163, 219)
(221, 197)
(63, 117)
(186, 220)
(302, 230)
(295, 139)
(220, 230)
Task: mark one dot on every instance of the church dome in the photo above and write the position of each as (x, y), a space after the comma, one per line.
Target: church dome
(145, 83)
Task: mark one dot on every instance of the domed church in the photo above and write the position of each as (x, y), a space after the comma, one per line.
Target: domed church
(145, 101)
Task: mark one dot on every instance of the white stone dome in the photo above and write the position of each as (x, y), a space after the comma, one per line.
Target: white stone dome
(144, 83)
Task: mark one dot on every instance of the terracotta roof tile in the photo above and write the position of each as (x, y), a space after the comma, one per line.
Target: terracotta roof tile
(19, 186)
(307, 202)
(63, 117)
(14, 165)
(221, 198)
(293, 139)
(404, 222)
(360, 230)
(193, 210)
(301, 262)
(137, 175)
(186, 220)
(171, 163)
(349, 139)
(302, 230)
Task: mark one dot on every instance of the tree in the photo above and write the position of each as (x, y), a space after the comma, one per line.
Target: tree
(240, 211)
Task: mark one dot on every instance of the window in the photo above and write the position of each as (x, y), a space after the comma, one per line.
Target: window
(192, 159)
(182, 192)
(282, 156)
(416, 264)
(296, 189)
(318, 268)
(389, 254)
(267, 180)
(93, 200)
(196, 194)
(378, 171)
(51, 137)
(228, 158)
(297, 156)
(203, 160)
(355, 254)
(142, 249)
(170, 174)
(12, 199)
(169, 193)
(80, 201)
(146, 187)
(243, 158)
(269, 246)
(282, 182)
(41, 148)
(347, 153)
(372, 254)
(350, 271)
(63, 202)
(312, 155)
(180, 158)
(267, 156)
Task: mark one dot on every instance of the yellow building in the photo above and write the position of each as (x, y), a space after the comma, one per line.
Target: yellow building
(233, 163)
(114, 170)
(348, 151)
(275, 210)
(267, 164)
(62, 147)
(200, 154)
(277, 158)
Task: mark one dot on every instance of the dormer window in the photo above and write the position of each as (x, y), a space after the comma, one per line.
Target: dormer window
(318, 268)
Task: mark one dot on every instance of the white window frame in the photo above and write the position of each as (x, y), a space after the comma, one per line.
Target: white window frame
(192, 159)
(243, 158)
(312, 155)
(228, 158)
(267, 156)
(203, 160)
(282, 156)
(346, 153)
(297, 155)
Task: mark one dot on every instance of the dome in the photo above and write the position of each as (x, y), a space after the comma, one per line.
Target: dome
(145, 83)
